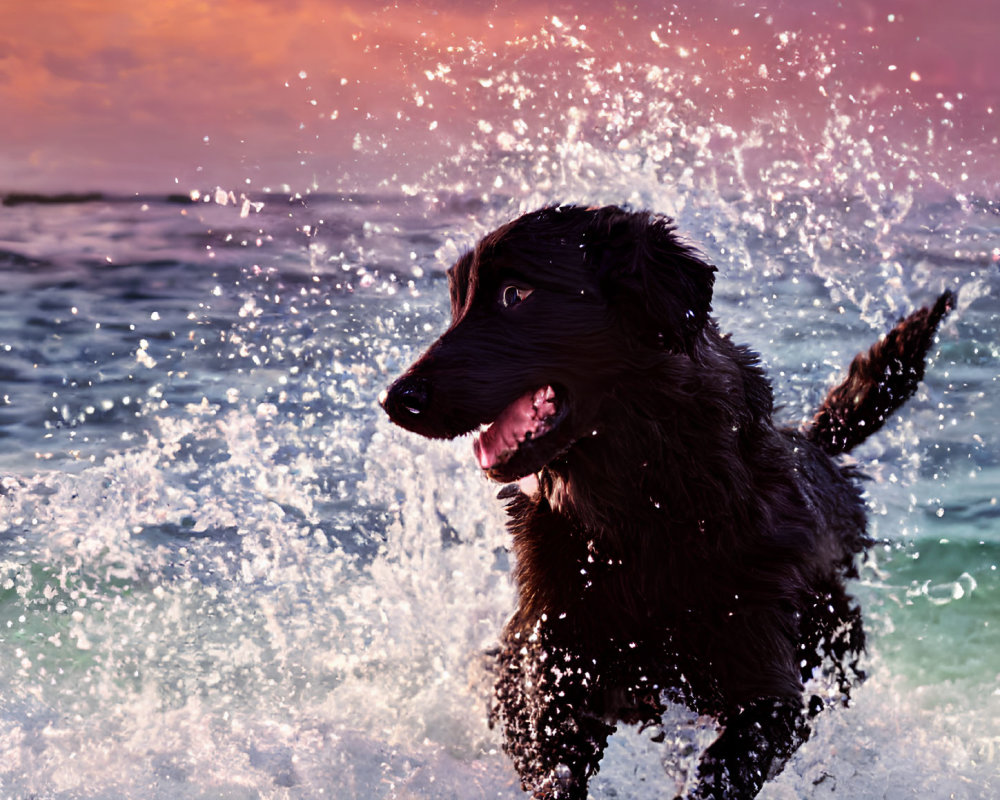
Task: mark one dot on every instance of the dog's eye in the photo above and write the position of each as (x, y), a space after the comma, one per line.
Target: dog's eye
(511, 295)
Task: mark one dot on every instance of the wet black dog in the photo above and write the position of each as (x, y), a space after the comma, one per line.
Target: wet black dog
(675, 544)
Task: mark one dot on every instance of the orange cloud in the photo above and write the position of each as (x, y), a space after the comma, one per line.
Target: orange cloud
(117, 83)
(134, 94)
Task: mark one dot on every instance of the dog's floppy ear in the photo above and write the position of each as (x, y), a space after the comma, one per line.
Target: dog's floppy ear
(654, 281)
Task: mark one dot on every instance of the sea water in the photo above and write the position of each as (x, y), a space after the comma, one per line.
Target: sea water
(223, 573)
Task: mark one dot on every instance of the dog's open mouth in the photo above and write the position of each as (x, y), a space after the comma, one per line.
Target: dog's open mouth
(514, 442)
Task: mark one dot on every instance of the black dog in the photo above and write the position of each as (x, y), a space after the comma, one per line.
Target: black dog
(676, 545)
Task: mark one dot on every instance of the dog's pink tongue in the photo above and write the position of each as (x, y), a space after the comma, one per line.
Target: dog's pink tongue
(525, 415)
(501, 436)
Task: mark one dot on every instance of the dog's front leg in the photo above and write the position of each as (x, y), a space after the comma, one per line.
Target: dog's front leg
(756, 743)
(546, 703)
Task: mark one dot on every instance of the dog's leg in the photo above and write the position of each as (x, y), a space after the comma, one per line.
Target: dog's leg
(754, 746)
(545, 696)
(833, 639)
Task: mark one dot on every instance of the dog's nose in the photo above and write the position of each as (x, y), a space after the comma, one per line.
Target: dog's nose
(407, 397)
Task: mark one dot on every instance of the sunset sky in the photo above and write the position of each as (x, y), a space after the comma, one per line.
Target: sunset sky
(141, 96)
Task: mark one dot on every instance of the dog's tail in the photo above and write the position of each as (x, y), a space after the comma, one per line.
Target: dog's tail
(878, 381)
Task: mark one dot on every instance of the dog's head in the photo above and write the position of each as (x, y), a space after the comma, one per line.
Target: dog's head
(548, 312)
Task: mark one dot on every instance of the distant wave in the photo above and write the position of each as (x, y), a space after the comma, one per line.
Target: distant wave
(68, 198)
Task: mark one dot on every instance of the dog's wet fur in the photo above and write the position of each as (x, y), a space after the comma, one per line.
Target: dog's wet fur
(675, 544)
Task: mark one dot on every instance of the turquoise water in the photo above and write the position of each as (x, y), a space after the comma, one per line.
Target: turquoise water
(224, 574)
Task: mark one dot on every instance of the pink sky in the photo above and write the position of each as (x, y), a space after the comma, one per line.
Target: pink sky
(166, 96)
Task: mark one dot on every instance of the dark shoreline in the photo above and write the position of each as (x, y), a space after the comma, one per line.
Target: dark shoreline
(72, 198)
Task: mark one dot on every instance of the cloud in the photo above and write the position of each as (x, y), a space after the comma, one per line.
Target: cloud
(130, 84)
(103, 66)
(123, 90)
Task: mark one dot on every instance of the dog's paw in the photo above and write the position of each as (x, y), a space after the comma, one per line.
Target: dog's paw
(559, 784)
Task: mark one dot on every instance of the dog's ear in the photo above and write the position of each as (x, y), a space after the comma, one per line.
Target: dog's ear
(654, 281)
(460, 277)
